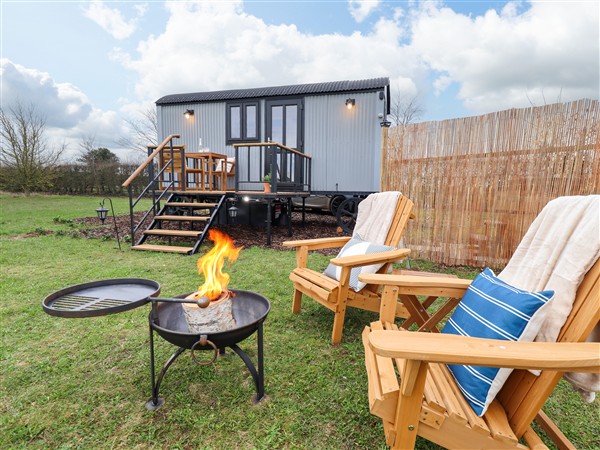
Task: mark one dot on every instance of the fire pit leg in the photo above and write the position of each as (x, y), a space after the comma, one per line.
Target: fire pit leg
(260, 392)
(156, 402)
(257, 376)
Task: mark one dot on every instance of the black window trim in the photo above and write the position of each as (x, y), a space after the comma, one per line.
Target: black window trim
(242, 104)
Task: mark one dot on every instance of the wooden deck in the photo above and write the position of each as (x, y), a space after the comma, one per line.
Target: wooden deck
(202, 187)
(268, 197)
(254, 194)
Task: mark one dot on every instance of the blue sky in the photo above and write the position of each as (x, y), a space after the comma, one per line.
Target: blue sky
(88, 65)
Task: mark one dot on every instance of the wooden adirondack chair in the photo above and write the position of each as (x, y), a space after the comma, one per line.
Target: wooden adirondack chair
(336, 295)
(426, 401)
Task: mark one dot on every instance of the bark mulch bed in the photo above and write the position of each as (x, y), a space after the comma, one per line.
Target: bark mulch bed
(316, 226)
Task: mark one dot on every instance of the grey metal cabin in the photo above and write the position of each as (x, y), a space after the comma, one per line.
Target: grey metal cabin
(245, 156)
(338, 124)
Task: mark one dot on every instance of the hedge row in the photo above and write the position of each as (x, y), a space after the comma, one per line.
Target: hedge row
(95, 179)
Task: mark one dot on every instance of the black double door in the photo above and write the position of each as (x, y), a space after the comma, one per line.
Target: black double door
(284, 125)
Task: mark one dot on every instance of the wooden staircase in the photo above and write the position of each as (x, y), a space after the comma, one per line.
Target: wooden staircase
(182, 223)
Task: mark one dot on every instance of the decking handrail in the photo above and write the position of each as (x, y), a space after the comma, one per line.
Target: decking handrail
(287, 167)
(148, 160)
(266, 144)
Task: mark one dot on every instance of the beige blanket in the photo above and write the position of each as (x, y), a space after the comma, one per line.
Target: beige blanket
(557, 251)
(375, 214)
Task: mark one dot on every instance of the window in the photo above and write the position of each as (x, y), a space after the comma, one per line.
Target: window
(242, 122)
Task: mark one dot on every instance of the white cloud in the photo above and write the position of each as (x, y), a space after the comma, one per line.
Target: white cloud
(63, 104)
(526, 53)
(548, 52)
(111, 19)
(441, 83)
(141, 9)
(67, 110)
(237, 50)
(404, 88)
(361, 9)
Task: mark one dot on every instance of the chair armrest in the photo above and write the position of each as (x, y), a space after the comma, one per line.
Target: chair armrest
(373, 258)
(420, 285)
(315, 244)
(453, 349)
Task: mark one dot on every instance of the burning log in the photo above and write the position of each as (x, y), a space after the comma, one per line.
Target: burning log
(215, 318)
(214, 311)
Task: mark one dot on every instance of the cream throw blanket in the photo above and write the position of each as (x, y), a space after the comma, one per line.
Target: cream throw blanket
(557, 251)
(375, 214)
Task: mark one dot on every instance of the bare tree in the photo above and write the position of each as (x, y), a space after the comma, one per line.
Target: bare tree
(86, 145)
(405, 110)
(143, 131)
(27, 159)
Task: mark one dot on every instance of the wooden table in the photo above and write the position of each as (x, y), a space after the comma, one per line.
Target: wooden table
(204, 166)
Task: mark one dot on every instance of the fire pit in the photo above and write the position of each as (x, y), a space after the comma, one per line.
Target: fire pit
(167, 318)
(211, 318)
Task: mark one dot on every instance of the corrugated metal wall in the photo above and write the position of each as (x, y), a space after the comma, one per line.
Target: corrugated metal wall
(207, 123)
(345, 145)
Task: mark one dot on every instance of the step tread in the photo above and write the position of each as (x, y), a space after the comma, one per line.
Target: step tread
(184, 218)
(191, 204)
(183, 233)
(199, 192)
(163, 248)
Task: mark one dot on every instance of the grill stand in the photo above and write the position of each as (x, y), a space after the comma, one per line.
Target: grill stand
(257, 375)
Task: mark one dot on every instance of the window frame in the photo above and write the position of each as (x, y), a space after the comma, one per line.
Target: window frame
(242, 104)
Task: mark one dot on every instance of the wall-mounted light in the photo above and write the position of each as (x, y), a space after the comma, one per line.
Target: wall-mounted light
(385, 124)
(233, 212)
(188, 113)
(350, 102)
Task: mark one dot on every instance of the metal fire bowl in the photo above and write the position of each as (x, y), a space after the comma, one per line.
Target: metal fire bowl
(249, 311)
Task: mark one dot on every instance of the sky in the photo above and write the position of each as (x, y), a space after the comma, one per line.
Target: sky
(87, 66)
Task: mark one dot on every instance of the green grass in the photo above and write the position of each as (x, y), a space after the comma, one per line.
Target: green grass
(20, 214)
(82, 383)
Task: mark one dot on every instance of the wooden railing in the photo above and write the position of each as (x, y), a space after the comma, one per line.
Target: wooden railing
(157, 185)
(289, 169)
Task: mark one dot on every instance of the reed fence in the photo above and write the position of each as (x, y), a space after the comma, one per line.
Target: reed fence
(479, 182)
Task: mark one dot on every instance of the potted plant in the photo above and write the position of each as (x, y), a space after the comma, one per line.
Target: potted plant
(267, 182)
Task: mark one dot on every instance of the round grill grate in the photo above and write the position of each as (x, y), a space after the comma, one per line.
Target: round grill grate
(100, 298)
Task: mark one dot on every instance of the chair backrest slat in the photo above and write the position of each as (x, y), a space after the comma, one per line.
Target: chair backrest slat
(524, 394)
(402, 214)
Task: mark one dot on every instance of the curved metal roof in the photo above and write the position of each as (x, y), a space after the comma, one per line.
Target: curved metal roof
(330, 87)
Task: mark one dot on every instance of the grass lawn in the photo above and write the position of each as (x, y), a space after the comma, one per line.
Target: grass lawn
(83, 383)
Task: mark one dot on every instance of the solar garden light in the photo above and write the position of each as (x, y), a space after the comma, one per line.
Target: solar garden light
(103, 213)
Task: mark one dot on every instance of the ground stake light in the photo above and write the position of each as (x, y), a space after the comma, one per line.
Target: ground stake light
(103, 213)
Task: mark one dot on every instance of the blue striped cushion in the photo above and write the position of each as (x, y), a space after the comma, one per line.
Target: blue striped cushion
(493, 309)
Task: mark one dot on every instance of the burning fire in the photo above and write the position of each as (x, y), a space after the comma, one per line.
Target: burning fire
(211, 265)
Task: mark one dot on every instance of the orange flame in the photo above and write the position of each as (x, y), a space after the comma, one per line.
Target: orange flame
(211, 265)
